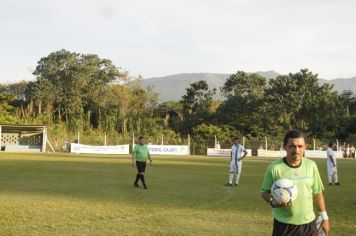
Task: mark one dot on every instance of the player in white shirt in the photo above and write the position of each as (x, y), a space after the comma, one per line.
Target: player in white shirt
(236, 161)
(348, 151)
(331, 162)
(352, 151)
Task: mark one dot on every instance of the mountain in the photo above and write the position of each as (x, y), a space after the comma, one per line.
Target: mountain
(342, 84)
(173, 87)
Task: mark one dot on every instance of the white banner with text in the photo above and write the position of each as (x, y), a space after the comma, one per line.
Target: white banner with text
(269, 153)
(321, 154)
(88, 149)
(168, 149)
(308, 153)
(223, 152)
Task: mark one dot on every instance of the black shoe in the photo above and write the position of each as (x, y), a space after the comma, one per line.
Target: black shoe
(136, 185)
(228, 184)
(337, 184)
(145, 186)
(330, 184)
(236, 184)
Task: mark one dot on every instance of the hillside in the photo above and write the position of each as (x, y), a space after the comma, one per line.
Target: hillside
(172, 87)
(342, 84)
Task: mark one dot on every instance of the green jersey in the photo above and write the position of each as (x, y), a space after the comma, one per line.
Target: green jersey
(141, 152)
(308, 182)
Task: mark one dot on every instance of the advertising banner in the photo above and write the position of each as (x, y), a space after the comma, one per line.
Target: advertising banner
(269, 153)
(88, 149)
(223, 152)
(321, 154)
(168, 149)
(308, 153)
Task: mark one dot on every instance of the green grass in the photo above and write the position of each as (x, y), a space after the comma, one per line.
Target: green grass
(62, 194)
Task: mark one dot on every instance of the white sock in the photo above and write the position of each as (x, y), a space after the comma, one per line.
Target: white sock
(231, 176)
(330, 179)
(237, 178)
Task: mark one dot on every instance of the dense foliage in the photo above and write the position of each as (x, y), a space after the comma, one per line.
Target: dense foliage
(82, 92)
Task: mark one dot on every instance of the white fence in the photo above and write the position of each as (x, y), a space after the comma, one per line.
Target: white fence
(269, 153)
(184, 150)
(308, 153)
(321, 154)
(223, 152)
(88, 149)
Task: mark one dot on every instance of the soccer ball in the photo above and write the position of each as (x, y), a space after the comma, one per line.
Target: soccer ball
(284, 191)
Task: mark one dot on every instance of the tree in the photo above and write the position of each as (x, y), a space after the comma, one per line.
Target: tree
(18, 91)
(172, 114)
(206, 132)
(244, 84)
(280, 104)
(319, 108)
(7, 112)
(73, 86)
(130, 105)
(196, 104)
(348, 102)
(298, 101)
(244, 94)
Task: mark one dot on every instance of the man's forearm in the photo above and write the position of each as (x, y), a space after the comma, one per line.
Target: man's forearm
(245, 154)
(320, 202)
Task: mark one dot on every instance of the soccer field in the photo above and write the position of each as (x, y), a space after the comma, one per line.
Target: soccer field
(63, 194)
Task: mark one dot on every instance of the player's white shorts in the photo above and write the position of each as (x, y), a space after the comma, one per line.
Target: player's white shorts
(236, 167)
(332, 170)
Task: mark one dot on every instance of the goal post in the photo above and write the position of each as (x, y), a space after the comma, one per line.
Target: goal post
(23, 138)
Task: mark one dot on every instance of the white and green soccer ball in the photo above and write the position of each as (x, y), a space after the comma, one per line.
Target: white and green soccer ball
(284, 191)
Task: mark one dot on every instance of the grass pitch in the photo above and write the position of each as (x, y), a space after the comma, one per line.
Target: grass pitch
(63, 194)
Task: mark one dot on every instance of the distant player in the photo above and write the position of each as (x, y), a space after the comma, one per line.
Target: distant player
(331, 162)
(236, 161)
(140, 155)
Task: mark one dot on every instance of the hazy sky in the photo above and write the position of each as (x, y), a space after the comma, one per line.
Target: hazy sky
(163, 37)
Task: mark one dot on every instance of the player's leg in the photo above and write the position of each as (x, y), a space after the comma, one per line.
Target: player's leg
(231, 175)
(136, 180)
(336, 179)
(239, 168)
(330, 179)
(142, 174)
(138, 176)
(330, 175)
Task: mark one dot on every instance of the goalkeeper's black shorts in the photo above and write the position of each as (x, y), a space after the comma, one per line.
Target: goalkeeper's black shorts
(282, 229)
(141, 166)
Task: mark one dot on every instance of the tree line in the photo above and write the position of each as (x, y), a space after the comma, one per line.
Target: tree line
(76, 92)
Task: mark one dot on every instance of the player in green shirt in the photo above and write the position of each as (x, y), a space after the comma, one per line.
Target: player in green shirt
(298, 217)
(140, 155)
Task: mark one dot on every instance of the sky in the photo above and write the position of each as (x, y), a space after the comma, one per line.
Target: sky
(155, 38)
